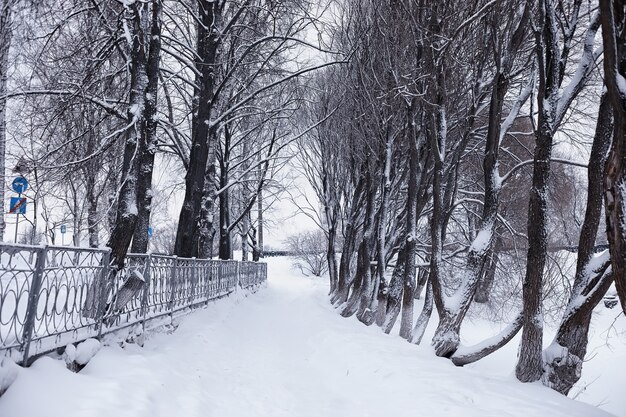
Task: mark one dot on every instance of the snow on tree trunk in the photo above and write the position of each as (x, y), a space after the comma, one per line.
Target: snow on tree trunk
(566, 355)
(422, 321)
(200, 157)
(206, 227)
(394, 291)
(415, 140)
(126, 216)
(552, 48)
(340, 295)
(146, 164)
(614, 39)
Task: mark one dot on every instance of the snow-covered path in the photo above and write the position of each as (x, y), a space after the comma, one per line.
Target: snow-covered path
(280, 352)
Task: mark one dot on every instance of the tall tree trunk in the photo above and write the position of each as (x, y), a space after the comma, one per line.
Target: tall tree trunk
(206, 227)
(447, 335)
(5, 46)
(395, 289)
(146, 164)
(529, 365)
(225, 248)
(566, 355)
(245, 229)
(366, 296)
(202, 151)
(331, 257)
(614, 38)
(92, 213)
(126, 215)
(422, 321)
(410, 245)
(488, 275)
(350, 235)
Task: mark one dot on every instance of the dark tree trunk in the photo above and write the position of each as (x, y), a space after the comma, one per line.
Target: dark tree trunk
(92, 212)
(331, 257)
(126, 216)
(447, 336)
(410, 245)
(422, 321)
(202, 151)
(529, 366)
(225, 241)
(205, 232)
(614, 38)
(488, 276)
(225, 249)
(394, 291)
(146, 164)
(567, 352)
(350, 235)
(365, 296)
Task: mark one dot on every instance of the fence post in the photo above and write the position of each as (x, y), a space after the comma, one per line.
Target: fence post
(33, 300)
(101, 292)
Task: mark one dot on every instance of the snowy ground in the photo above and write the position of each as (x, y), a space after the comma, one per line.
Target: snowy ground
(284, 352)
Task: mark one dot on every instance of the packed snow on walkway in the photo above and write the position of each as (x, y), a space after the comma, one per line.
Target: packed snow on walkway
(283, 351)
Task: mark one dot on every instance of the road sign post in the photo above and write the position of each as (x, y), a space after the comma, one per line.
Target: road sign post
(63, 230)
(18, 204)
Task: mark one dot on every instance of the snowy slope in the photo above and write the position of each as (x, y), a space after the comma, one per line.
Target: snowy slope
(280, 352)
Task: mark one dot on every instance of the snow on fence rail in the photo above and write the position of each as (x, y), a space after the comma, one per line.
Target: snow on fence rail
(52, 296)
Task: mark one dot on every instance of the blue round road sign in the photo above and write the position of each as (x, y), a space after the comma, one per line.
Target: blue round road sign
(19, 185)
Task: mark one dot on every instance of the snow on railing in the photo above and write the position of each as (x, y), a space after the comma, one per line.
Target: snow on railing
(52, 296)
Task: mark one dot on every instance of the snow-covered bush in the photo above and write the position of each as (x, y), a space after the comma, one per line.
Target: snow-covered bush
(309, 252)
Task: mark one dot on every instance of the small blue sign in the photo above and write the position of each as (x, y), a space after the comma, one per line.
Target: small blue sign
(17, 205)
(20, 185)
(63, 229)
(150, 231)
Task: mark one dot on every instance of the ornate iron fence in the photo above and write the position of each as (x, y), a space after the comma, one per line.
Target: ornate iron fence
(52, 296)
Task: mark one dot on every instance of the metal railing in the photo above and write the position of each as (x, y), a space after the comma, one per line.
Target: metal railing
(52, 296)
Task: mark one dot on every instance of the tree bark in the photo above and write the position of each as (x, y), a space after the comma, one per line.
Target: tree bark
(146, 164)
(529, 365)
(126, 216)
(202, 153)
(408, 279)
(614, 39)
(566, 355)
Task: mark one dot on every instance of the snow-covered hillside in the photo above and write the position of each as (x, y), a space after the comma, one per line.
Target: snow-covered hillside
(284, 352)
